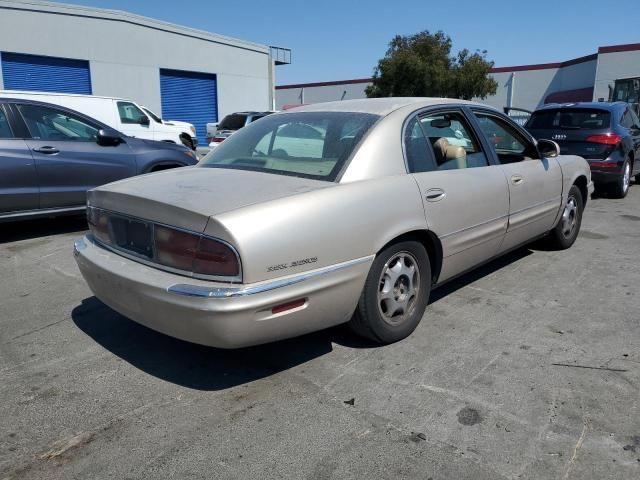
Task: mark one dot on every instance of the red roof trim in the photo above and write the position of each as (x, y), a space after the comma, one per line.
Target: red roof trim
(629, 47)
(326, 84)
(545, 66)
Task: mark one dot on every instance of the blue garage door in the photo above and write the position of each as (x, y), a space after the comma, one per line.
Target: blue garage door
(189, 97)
(45, 74)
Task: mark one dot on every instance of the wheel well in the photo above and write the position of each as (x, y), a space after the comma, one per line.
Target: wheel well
(186, 139)
(164, 166)
(632, 160)
(581, 183)
(431, 243)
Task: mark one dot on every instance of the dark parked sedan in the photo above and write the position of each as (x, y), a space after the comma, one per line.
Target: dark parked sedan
(50, 156)
(607, 135)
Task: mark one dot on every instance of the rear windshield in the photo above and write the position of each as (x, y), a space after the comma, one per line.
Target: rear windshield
(312, 145)
(234, 121)
(569, 119)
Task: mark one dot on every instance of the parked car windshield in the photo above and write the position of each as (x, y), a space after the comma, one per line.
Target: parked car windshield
(306, 144)
(235, 121)
(569, 119)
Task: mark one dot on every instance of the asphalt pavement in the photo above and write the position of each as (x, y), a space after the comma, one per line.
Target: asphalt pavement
(528, 368)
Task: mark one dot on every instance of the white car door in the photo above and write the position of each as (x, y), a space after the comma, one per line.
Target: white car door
(466, 199)
(535, 185)
(133, 121)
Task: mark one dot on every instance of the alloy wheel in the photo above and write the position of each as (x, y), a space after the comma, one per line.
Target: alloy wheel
(569, 217)
(398, 288)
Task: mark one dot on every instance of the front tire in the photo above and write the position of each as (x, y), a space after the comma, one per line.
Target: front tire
(395, 294)
(567, 229)
(621, 187)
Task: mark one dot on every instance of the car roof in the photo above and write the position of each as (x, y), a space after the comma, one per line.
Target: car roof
(609, 106)
(57, 107)
(380, 106)
(62, 94)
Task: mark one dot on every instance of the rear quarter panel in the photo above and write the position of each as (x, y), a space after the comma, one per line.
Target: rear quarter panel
(321, 228)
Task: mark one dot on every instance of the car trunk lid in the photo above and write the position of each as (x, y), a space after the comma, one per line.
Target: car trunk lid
(187, 197)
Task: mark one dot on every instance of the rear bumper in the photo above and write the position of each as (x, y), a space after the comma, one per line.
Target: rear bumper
(218, 314)
(601, 177)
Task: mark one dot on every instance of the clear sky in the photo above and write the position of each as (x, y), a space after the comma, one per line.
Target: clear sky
(342, 39)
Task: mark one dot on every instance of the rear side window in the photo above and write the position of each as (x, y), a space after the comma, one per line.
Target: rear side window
(570, 119)
(130, 113)
(46, 123)
(5, 128)
(234, 121)
(452, 141)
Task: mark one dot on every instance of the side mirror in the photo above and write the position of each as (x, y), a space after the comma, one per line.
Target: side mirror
(548, 148)
(143, 120)
(109, 138)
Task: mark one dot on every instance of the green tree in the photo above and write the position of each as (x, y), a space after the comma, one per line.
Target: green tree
(421, 65)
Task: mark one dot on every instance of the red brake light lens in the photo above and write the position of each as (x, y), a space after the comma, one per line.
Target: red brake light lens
(218, 139)
(175, 248)
(604, 164)
(215, 258)
(605, 138)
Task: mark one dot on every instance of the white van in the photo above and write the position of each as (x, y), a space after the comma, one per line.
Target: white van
(124, 115)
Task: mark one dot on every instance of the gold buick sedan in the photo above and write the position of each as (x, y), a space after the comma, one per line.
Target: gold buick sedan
(343, 212)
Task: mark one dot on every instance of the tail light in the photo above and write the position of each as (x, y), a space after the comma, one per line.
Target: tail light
(196, 253)
(604, 164)
(605, 138)
(218, 139)
(98, 224)
(169, 247)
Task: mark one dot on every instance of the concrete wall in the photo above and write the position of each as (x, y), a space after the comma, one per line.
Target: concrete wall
(612, 66)
(318, 94)
(126, 51)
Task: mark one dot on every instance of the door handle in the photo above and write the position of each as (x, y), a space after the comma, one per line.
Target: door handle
(435, 195)
(517, 179)
(47, 150)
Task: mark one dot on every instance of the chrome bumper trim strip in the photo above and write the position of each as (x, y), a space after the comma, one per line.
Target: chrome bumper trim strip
(228, 292)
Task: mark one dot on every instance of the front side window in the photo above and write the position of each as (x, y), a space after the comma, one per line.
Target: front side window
(130, 113)
(509, 145)
(312, 145)
(46, 123)
(452, 141)
(5, 128)
(155, 117)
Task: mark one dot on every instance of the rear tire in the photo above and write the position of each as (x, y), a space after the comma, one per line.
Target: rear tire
(621, 187)
(566, 231)
(395, 294)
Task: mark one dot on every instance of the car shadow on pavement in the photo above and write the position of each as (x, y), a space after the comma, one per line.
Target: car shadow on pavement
(487, 269)
(42, 227)
(188, 364)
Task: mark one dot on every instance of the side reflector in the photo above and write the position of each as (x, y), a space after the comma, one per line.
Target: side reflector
(288, 306)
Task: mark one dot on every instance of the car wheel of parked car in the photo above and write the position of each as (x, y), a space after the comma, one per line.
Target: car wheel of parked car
(566, 232)
(621, 187)
(395, 294)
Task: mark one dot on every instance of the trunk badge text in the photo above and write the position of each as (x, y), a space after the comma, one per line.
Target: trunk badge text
(296, 263)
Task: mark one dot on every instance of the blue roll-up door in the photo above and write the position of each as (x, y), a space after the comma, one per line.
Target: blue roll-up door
(189, 97)
(45, 74)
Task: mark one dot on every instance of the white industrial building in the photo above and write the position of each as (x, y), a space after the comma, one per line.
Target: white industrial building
(182, 73)
(525, 86)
